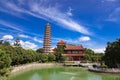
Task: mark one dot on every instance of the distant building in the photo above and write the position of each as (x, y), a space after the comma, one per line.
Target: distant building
(72, 52)
(47, 39)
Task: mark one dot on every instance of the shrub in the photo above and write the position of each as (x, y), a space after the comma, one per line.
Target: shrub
(43, 58)
(63, 58)
(104, 66)
(51, 57)
(5, 62)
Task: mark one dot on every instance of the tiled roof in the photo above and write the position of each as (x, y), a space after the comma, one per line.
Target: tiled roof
(54, 49)
(61, 42)
(74, 47)
(73, 54)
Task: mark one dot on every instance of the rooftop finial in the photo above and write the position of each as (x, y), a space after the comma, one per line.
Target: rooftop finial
(48, 24)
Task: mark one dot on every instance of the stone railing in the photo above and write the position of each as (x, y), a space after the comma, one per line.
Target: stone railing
(105, 70)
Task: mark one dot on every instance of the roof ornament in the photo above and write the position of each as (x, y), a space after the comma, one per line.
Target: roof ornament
(48, 24)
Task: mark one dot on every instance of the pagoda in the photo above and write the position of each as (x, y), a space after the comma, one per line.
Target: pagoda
(47, 39)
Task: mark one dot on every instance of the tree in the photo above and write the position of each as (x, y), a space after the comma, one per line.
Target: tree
(97, 57)
(6, 43)
(40, 50)
(59, 52)
(31, 55)
(44, 58)
(88, 54)
(1, 42)
(112, 54)
(51, 57)
(63, 58)
(89, 51)
(5, 62)
(38, 57)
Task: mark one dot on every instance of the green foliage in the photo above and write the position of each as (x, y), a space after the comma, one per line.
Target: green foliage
(1, 41)
(6, 43)
(38, 57)
(43, 58)
(89, 51)
(97, 57)
(112, 54)
(59, 52)
(31, 51)
(3, 78)
(87, 57)
(19, 55)
(5, 62)
(104, 66)
(10, 55)
(63, 58)
(22, 56)
(51, 57)
(88, 54)
(40, 50)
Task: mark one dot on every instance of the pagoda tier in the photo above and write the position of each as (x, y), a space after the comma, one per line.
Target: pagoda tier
(47, 39)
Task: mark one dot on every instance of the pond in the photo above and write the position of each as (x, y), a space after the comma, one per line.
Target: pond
(64, 73)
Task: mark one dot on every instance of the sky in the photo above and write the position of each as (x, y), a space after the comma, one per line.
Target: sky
(91, 23)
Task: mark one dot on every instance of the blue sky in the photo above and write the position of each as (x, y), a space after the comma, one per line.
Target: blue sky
(91, 23)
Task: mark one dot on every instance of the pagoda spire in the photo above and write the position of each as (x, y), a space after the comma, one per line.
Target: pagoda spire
(47, 39)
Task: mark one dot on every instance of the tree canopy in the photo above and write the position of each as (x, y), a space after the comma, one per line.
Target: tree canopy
(16, 55)
(88, 54)
(5, 62)
(51, 57)
(40, 50)
(112, 54)
(59, 52)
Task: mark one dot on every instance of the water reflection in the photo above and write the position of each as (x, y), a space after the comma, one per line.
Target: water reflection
(73, 76)
(65, 74)
(36, 77)
(94, 78)
(53, 76)
(68, 73)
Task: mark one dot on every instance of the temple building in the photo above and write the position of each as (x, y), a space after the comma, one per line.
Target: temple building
(47, 39)
(72, 52)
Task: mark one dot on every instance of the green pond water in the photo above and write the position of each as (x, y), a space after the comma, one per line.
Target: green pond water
(64, 73)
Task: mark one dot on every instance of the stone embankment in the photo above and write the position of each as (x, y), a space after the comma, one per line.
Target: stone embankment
(26, 67)
(105, 70)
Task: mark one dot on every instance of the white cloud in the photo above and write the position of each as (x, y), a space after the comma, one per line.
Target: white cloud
(108, 1)
(37, 40)
(111, 0)
(79, 40)
(115, 15)
(7, 37)
(28, 45)
(24, 36)
(84, 38)
(10, 25)
(69, 12)
(32, 38)
(99, 50)
(42, 9)
(24, 44)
